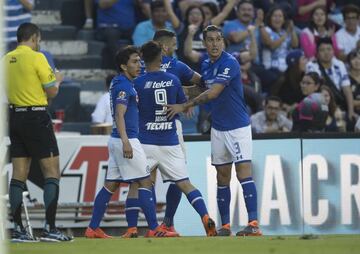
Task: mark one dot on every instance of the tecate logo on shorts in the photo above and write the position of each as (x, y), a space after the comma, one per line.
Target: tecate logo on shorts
(159, 126)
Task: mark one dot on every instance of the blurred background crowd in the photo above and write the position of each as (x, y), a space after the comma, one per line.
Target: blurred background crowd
(287, 50)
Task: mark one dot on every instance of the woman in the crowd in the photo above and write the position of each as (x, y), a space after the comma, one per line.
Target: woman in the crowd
(353, 60)
(334, 121)
(288, 86)
(311, 83)
(212, 14)
(278, 37)
(319, 27)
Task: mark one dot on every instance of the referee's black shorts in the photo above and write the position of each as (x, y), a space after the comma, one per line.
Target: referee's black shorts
(31, 133)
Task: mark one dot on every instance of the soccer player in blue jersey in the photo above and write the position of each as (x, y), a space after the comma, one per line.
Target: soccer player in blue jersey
(158, 134)
(231, 131)
(127, 160)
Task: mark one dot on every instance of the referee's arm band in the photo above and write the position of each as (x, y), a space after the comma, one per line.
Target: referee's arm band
(51, 84)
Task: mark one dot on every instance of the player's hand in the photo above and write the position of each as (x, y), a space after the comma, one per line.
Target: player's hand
(190, 112)
(174, 109)
(127, 150)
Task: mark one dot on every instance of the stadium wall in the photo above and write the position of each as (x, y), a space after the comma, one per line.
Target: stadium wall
(305, 185)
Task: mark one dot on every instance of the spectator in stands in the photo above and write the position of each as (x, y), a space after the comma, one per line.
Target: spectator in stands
(236, 31)
(334, 121)
(288, 87)
(115, 21)
(310, 114)
(278, 37)
(319, 27)
(311, 83)
(289, 6)
(348, 36)
(306, 8)
(17, 12)
(212, 14)
(334, 73)
(102, 112)
(354, 75)
(270, 120)
(145, 30)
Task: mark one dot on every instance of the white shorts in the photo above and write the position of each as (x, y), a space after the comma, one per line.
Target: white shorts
(122, 169)
(170, 160)
(231, 146)
(179, 132)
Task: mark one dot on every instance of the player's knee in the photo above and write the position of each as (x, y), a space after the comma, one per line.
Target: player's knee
(145, 183)
(223, 178)
(243, 170)
(111, 186)
(185, 186)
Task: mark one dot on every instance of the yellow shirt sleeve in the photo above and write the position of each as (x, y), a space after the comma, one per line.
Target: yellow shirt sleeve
(44, 71)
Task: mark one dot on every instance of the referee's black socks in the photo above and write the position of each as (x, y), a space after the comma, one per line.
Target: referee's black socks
(51, 196)
(16, 198)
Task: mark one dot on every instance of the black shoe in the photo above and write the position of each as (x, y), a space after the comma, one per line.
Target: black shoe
(19, 235)
(54, 235)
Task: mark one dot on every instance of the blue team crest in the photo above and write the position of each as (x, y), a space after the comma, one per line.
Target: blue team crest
(122, 95)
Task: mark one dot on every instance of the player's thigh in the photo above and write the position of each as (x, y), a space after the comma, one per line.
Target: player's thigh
(17, 145)
(39, 136)
(219, 152)
(136, 168)
(115, 161)
(172, 163)
(21, 168)
(239, 144)
(50, 167)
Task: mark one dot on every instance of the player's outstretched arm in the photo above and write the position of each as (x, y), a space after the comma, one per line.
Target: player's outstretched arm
(204, 97)
(121, 126)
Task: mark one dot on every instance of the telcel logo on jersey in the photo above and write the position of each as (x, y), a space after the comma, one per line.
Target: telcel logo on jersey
(165, 66)
(159, 126)
(161, 84)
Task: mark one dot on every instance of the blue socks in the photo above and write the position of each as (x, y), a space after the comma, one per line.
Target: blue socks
(197, 202)
(101, 201)
(173, 197)
(132, 211)
(148, 206)
(153, 194)
(250, 196)
(223, 201)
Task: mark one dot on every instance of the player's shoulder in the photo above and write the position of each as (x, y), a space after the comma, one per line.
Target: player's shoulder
(229, 60)
(122, 81)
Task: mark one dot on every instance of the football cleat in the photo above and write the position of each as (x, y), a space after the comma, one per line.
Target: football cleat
(96, 233)
(224, 230)
(209, 225)
(160, 232)
(130, 233)
(170, 229)
(19, 235)
(54, 235)
(252, 229)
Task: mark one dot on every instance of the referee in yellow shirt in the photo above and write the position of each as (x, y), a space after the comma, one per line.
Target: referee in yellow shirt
(30, 82)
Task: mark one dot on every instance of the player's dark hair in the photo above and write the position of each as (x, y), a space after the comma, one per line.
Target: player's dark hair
(272, 98)
(323, 40)
(26, 30)
(156, 4)
(150, 51)
(212, 28)
(350, 8)
(163, 33)
(123, 55)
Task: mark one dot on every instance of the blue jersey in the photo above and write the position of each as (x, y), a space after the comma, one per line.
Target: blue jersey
(122, 92)
(156, 89)
(228, 110)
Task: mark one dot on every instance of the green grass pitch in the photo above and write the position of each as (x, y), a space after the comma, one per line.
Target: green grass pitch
(332, 244)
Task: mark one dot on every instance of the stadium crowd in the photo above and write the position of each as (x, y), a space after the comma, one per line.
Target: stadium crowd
(275, 41)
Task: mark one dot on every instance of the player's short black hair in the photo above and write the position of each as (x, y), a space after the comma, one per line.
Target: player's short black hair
(26, 30)
(163, 33)
(272, 98)
(150, 51)
(350, 8)
(323, 40)
(123, 55)
(211, 28)
(156, 4)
